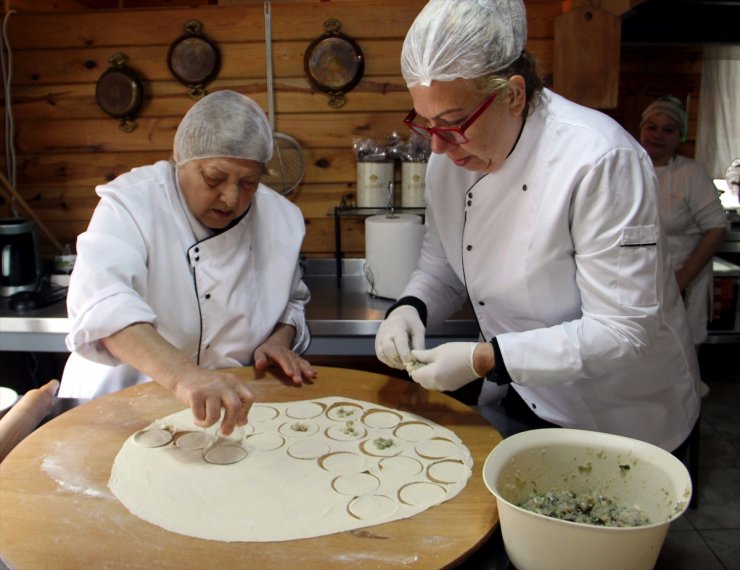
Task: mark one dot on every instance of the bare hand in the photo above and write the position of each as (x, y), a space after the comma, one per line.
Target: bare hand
(292, 365)
(206, 392)
(25, 415)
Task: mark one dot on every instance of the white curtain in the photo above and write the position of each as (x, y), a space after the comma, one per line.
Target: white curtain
(718, 133)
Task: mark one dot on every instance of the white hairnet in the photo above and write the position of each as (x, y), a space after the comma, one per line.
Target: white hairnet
(223, 124)
(732, 175)
(671, 106)
(453, 39)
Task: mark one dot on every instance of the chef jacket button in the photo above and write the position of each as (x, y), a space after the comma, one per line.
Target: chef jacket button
(208, 295)
(470, 202)
(470, 194)
(524, 187)
(534, 406)
(197, 258)
(469, 248)
(196, 250)
(481, 303)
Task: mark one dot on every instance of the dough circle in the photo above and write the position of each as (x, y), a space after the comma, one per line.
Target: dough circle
(225, 454)
(153, 437)
(437, 448)
(297, 428)
(343, 462)
(262, 413)
(414, 431)
(381, 418)
(448, 471)
(344, 411)
(190, 440)
(304, 410)
(345, 432)
(400, 466)
(355, 484)
(308, 449)
(422, 493)
(372, 507)
(265, 441)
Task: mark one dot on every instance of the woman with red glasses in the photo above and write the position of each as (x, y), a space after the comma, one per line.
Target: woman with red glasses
(542, 214)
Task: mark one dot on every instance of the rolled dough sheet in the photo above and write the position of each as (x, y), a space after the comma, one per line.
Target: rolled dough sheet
(313, 468)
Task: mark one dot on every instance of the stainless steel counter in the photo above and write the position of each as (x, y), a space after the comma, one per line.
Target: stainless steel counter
(343, 319)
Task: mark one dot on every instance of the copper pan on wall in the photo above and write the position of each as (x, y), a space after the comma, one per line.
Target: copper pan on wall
(194, 59)
(120, 92)
(334, 63)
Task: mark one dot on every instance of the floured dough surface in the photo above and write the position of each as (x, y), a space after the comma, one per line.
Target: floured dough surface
(309, 468)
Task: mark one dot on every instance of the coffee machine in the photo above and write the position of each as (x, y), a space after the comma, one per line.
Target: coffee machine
(20, 258)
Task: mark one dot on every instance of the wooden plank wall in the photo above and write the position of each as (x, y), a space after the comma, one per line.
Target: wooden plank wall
(66, 145)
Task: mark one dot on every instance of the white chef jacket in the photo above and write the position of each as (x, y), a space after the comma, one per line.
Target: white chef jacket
(215, 296)
(561, 255)
(689, 206)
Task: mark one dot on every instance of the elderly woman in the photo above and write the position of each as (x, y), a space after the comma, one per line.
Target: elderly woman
(191, 265)
(690, 209)
(543, 214)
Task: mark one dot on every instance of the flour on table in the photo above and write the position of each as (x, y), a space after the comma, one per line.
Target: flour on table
(304, 469)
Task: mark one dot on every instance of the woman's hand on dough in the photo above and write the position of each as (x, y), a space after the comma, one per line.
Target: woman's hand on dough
(207, 392)
(293, 366)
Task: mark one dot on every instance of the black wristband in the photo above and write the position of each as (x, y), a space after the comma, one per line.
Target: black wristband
(415, 302)
(498, 375)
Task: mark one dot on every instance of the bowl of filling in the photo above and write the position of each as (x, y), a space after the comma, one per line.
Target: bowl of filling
(580, 499)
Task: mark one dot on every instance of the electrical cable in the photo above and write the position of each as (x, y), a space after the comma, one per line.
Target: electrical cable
(7, 69)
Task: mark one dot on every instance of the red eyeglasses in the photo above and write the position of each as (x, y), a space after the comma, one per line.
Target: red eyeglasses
(455, 135)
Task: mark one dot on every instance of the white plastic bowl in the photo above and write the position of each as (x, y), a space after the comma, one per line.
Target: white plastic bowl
(584, 461)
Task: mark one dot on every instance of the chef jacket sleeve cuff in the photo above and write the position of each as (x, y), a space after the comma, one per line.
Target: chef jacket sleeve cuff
(415, 302)
(498, 374)
(296, 319)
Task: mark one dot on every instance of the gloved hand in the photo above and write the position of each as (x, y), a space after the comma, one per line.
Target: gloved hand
(401, 331)
(447, 367)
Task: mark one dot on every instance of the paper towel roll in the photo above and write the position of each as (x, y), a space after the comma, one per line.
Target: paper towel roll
(392, 248)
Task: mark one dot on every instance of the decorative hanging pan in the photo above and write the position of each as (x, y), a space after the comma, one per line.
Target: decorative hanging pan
(120, 92)
(334, 63)
(194, 60)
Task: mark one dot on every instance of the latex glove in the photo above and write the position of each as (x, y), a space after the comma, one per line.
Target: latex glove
(445, 368)
(400, 332)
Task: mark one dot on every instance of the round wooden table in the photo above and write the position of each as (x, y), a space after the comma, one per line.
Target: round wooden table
(56, 510)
